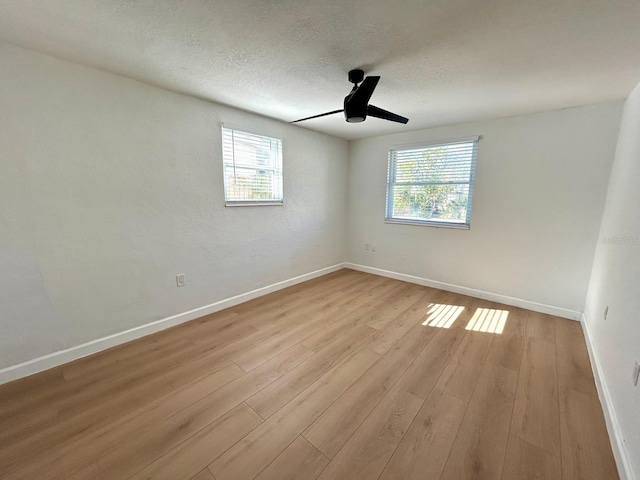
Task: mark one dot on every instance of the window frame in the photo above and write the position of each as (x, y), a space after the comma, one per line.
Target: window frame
(391, 164)
(250, 202)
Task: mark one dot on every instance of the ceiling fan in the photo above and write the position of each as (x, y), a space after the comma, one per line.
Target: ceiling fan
(356, 104)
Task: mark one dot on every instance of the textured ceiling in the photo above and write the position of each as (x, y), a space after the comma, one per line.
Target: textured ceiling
(441, 61)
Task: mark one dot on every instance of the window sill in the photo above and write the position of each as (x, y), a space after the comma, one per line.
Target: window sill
(456, 226)
(253, 204)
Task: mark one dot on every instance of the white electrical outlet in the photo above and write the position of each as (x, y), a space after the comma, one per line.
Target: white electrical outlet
(180, 280)
(606, 312)
(367, 246)
(636, 373)
(373, 247)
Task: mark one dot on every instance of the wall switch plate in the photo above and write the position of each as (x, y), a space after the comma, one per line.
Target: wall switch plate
(606, 312)
(367, 246)
(180, 280)
(636, 373)
(373, 247)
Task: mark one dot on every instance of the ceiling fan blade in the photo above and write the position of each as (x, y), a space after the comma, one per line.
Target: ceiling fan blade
(316, 116)
(374, 111)
(363, 93)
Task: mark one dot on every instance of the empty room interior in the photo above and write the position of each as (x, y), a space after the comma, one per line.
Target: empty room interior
(319, 240)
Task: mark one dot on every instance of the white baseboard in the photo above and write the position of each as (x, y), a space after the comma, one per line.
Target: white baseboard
(61, 357)
(613, 427)
(472, 292)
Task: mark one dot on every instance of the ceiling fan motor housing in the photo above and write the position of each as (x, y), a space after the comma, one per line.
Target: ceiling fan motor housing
(354, 112)
(356, 75)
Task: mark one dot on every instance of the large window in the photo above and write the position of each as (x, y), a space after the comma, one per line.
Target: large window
(252, 168)
(432, 184)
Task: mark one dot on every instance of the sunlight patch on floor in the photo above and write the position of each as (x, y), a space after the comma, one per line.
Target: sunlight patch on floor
(488, 320)
(441, 315)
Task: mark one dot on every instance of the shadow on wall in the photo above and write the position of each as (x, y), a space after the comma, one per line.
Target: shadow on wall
(28, 320)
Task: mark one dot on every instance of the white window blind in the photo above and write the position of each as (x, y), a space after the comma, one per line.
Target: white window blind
(432, 185)
(252, 168)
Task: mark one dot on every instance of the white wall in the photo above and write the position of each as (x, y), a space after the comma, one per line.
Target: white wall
(615, 281)
(539, 196)
(110, 187)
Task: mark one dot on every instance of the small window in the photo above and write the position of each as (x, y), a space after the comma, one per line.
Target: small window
(252, 168)
(432, 185)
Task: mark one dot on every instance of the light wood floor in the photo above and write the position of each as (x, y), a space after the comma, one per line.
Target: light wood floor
(348, 376)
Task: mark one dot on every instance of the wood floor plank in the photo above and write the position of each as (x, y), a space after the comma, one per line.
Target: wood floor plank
(461, 373)
(423, 451)
(202, 362)
(293, 310)
(220, 319)
(68, 395)
(259, 314)
(400, 324)
(217, 336)
(314, 283)
(536, 418)
(528, 462)
(210, 392)
(85, 449)
(351, 319)
(265, 302)
(22, 425)
(103, 363)
(352, 298)
(300, 461)
(423, 374)
(365, 298)
(586, 451)
(273, 397)
(249, 360)
(359, 285)
(542, 327)
(270, 439)
(346, 282)
(335, 426)
(340, 325)
(372, 445)
(479, 449)
(27, 386)
(204, 475)
(91, 417)
(304, 310)
(574, 366)
(130, 365)
(507, 347)
(167, 434)
(190, 457)
(360, 296)
(335, 321)
(106, 400)
(91, 471)
(178, 377)
(403, 299)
